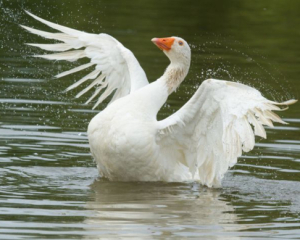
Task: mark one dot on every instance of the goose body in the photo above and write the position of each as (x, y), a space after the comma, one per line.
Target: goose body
(123, 137)
(199, 142)
(123, 140)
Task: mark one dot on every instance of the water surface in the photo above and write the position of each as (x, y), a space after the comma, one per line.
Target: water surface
(49, 184)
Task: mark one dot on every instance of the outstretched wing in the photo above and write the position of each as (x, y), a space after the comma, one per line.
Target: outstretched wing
(214, 127)
(116, 68)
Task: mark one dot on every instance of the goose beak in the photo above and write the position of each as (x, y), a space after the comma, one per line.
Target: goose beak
(163, 43)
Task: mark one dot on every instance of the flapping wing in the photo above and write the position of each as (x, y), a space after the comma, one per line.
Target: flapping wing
(116, 68)
(214, 127)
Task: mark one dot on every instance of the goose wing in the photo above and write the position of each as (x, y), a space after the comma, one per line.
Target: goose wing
(115, 67)
(213, 128)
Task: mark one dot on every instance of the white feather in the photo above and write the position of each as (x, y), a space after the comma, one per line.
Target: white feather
(59, 47)
(91, 75)
(216, 149)
(56, 36)
(69, 56)
(96, 82)
(108, 55)
(74, 70)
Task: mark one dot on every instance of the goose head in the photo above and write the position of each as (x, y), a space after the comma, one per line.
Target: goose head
(179, 53)
(176, 49)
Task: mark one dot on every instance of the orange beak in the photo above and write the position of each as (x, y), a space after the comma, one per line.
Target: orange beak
(163, 43)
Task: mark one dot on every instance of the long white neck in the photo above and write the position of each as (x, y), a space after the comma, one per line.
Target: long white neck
(175, 74)
(152, 97)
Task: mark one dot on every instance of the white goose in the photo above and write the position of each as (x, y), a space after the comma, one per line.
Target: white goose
(199, 142)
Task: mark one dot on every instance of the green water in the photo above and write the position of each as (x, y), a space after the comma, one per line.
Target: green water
(49, 185)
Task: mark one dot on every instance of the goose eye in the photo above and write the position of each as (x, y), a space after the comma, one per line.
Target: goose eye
(180, 43)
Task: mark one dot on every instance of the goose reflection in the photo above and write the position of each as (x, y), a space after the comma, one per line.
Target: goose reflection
(158, 210)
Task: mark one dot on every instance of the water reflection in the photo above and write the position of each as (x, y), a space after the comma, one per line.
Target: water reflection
(139, 210)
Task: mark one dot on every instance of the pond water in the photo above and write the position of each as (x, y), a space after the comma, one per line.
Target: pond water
(49, 185)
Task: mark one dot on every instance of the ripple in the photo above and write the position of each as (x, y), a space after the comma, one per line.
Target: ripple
(24, 101)
(22, 80)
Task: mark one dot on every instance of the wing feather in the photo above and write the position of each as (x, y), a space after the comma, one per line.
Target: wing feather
(74, 70)
(57, 47)
(214, 127)
(69, 56)
(116, 68)
(91, 75)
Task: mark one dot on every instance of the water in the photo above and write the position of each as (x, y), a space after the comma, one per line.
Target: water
(49, 185)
